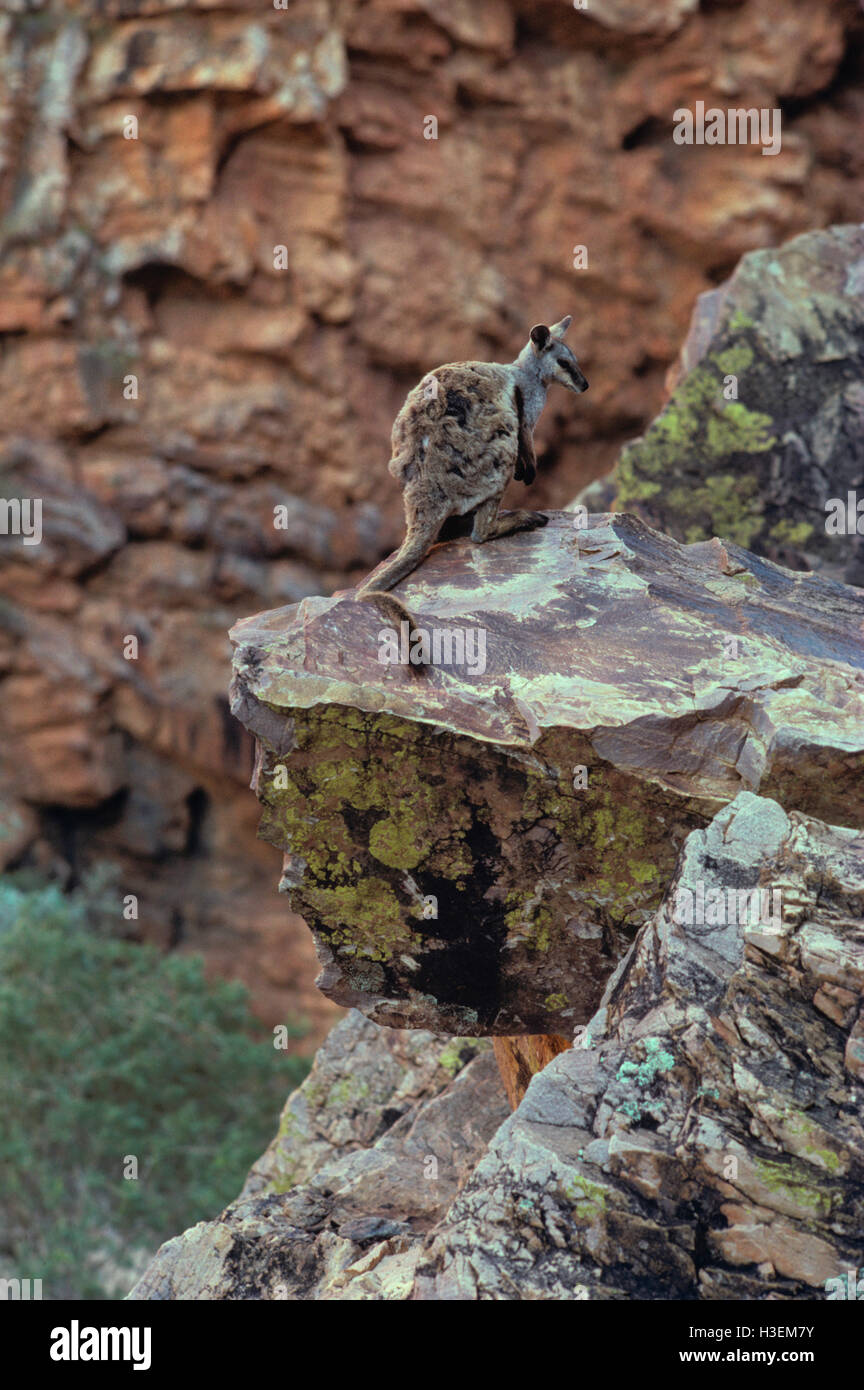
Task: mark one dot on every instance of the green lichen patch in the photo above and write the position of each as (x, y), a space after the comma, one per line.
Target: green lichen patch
(437, 869)
(618, 843)
(361, 801)
(636, 1079)
(694, 463)
(590, 1201)
(459, 1052)
(796, 1188)
(791, 533)
(555, 1002)
(363, 917)
(645, 1073)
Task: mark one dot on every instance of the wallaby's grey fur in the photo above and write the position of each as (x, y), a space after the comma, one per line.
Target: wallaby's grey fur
(462, 434)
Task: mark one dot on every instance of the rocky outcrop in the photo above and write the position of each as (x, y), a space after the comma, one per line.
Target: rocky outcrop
(475, 851)
(371, 1151)
(762, 440)
(703, 1139)
(227, 249)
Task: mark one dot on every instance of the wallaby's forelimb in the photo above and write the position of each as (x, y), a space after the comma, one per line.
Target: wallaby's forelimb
(526, 460)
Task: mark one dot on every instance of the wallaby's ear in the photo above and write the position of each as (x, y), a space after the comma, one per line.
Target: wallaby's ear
(540, 336)
(559, 329)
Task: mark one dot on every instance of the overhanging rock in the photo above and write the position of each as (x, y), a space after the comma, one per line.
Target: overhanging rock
(475, 850)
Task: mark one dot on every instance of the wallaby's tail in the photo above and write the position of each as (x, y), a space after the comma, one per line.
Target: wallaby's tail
(412, 550)
(395, 612)
(388, 606)
(415, 545)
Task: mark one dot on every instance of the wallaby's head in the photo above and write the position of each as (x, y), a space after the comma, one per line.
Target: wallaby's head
(554, 358)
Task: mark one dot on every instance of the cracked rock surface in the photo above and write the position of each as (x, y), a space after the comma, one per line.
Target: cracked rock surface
(474, 852)
(153, 156)
(370, 1151)
(706, 1140)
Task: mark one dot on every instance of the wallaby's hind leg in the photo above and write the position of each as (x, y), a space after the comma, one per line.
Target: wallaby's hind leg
(489, 526)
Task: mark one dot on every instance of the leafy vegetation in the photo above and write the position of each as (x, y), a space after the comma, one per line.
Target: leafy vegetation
(112, 1053)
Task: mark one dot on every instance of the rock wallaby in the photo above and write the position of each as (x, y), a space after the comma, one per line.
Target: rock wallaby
(464, 431)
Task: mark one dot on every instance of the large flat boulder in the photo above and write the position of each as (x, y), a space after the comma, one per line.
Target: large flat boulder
(475, 850)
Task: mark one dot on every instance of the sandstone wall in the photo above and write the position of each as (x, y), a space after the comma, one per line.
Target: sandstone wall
(258, 386)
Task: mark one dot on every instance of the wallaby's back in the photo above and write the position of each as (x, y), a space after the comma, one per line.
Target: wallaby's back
(459, 427)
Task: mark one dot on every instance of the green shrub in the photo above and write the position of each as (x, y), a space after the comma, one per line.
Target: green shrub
(108, 1049)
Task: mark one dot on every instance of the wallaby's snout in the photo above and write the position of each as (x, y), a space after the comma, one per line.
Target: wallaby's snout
(577, 381)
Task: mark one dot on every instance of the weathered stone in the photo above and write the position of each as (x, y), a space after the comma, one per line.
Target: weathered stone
(704, 1139)
(226, 52)
(17, 829)
(149, 253)
(633, 18)
(371, 1149)
(785, 335)
(519, 1058)
(478, 23)
(672, 675)
(854, 1058)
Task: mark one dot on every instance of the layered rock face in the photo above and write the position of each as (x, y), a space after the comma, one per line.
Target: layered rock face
(762, 439)
(227, 249)
(705, 1140)
(371, 1151)
(702, 1140)
(664, 747)
(475, 850)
